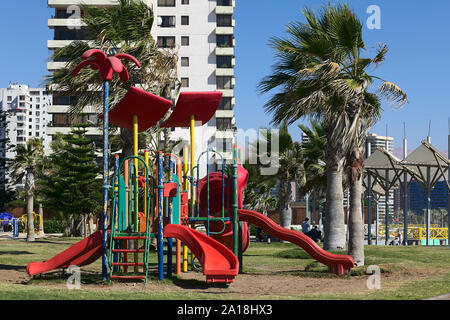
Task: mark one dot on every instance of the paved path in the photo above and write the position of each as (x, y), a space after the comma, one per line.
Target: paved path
(441, 297)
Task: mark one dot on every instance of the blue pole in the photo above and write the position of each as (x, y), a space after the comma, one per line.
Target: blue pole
(160, 218)
(170, 218)
(105, 180)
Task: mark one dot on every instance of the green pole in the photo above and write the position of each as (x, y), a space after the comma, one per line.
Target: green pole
(235, 204)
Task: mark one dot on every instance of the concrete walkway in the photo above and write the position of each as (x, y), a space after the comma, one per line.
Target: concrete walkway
(441, 297)
(9, 235)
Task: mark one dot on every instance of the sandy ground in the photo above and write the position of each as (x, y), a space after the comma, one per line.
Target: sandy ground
(251, 285)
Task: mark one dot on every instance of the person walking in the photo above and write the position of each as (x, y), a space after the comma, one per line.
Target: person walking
(305, 226)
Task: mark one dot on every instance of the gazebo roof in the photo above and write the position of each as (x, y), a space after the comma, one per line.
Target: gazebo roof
(148, 107)
(382, 164)
(425, 157)
(201, 105)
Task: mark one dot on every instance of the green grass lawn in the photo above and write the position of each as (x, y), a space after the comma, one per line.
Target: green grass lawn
(406, 273)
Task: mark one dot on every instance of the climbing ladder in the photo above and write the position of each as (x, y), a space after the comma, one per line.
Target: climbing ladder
(130, 234)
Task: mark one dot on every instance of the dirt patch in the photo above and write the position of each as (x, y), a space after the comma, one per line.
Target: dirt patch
(252, 285)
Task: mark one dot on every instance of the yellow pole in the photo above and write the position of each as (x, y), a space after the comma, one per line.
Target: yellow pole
(185, 182)
(135, 145)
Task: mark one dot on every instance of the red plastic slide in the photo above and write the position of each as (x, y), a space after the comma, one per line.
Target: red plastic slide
(218, 262)
(339, 264)
(80, 254)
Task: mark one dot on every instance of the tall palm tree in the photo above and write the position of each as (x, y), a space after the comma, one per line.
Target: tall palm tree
(26, 164)
(125, 28)
(314, 157)
(314, 74)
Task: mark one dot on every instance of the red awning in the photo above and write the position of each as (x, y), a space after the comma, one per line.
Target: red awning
(148, 107)
(202, 105)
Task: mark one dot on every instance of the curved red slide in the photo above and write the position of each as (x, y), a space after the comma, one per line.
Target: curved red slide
(339, 264)
(80, 254)
(218, 262)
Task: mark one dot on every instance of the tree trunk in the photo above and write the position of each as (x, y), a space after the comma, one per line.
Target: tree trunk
(31, 236)
(126, 139)
(285, 209)
(334, 227)
(41, 220)
(355, 239)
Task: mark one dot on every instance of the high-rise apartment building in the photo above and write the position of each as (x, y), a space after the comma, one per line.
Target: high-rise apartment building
(386, 143)
(27, 117)
(377, 141)
(202, 34)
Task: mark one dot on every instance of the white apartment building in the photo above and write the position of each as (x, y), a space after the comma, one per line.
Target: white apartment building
(27, 116)
(386, 143)
(377, 141)
(201, 32)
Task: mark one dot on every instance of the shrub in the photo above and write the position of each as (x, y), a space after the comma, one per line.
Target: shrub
(53, 226)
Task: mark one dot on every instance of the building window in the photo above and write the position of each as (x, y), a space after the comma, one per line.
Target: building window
(21, 98)
(38, 107)
(166, 42)
(184, 20)
(185, 82)
(224, 145)
(224, 20)
(226, 104)
(166, 3)
(185, 61)
(184, 41)
(224, 62)
(224, 82)
(166, 21)
(184, 1)
(38, 113)
(224, 40)
(37, 134)
(64, 33)
(225, 3)
(223, 124)
(9, 98)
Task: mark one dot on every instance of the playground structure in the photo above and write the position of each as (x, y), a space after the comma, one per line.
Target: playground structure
(165, 198)
(12, 224)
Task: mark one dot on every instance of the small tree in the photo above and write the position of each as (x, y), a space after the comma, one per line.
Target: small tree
(71, 183)
(6, 194)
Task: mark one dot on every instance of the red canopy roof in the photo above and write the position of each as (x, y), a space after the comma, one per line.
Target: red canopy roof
(202, 105)
(148, 107)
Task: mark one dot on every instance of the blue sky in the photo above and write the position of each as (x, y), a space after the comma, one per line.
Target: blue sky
(416, 32)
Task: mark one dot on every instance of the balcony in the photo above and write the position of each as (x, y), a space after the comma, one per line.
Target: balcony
(224, 30)
(56, 44)
(52, 65)
(227, 92)
(224, 51)
(70, 23)
(66, 3)
(224, 9)
(225, 72)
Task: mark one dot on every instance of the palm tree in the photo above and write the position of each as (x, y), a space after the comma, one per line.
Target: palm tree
(28, 160)
(125, 28)
(313, 73)
(290, 170)
(314, 157)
